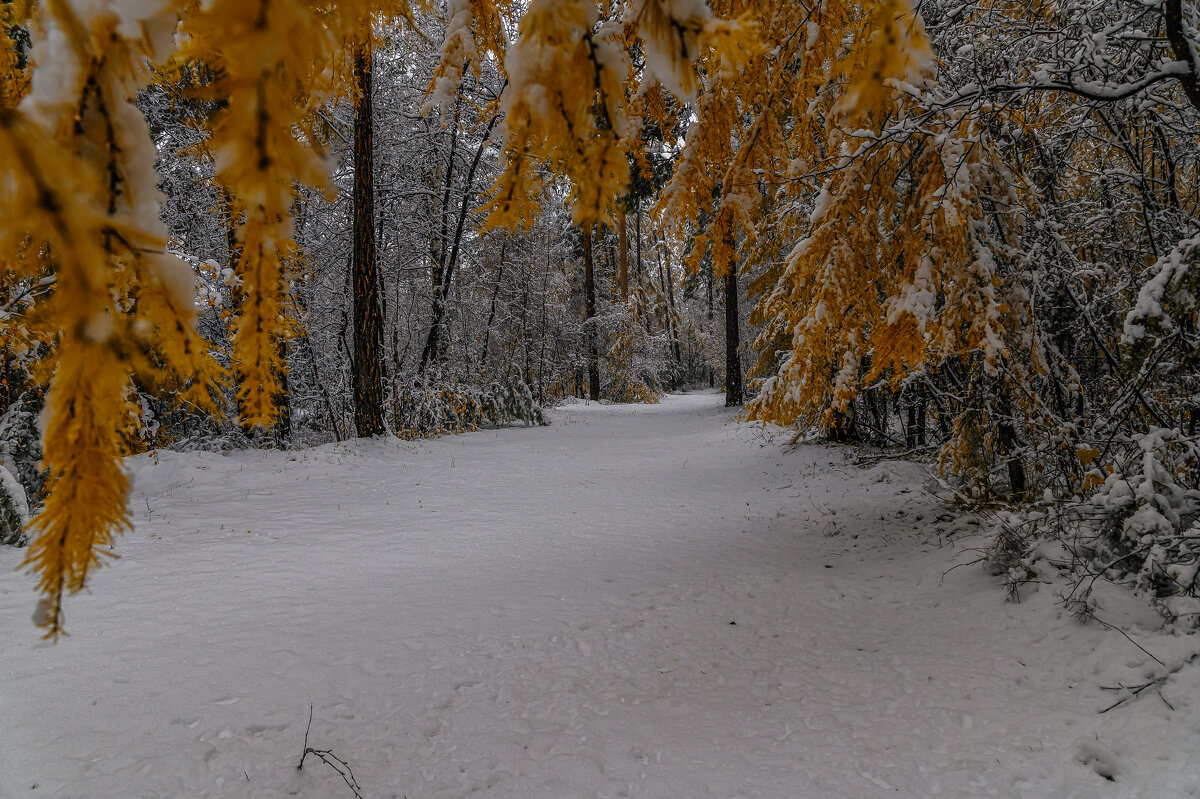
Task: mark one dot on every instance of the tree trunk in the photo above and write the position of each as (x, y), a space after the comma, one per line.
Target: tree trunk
(368, 322)
(282, 430)
(734, 394)
(1177, 35)
(842, 430)
(430, 352)
(623, 256)
(638, 242)
(589, 297)
(606, 247)
(444, 270)
(1016, 468)
(487, 331)
(668, 280)
(542, 332)
(711, 279)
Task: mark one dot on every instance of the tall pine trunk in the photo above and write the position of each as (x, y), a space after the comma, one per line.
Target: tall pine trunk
(282, 430)
(368, 321)
(589, 298)
(638, 243)
(623, 255)
(711, 279)
(667, 279)
(444, 268)
(734, 394)
(487, 331)
(431, 352)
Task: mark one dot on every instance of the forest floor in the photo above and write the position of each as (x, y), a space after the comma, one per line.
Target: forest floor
(648, 601)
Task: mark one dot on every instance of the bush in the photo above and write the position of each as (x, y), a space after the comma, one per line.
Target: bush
(21, 475)
(1140, 527)
(14, 511)
(432, 407)
(633, 361)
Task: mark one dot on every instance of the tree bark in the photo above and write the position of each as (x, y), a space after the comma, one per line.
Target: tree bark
(1016, 468)
(542, 353)
(1177, 36)
(487, 331)
(430, 352)
(282, 430)
(734, 392)
(921, 421)
(623, 256)
(710, 278)
(638, 241)
(444, 270)
(589, 297)
(368, 321)
(667, 279)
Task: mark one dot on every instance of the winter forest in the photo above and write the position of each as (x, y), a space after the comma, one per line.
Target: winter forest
(563, 398)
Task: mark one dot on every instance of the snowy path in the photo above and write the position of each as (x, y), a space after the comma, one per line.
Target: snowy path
(645, 602)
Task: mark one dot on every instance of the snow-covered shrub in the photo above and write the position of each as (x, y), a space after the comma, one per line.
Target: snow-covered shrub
(1147, 531)
(633, 361)
(429, 407)
(14, 511)
(1140, 527)
(701, 351)
(432, 407)
(21, 447)
(503, 404)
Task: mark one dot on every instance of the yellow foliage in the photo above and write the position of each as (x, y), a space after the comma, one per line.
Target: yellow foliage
(564, 108)
(570, 95)
(889, 47)
(85, 502)
(78, 196)
(868, 260)
(474, 31)
(274, 63)
(629, 344)
(79, 199)
(79, 190)
(14, 80)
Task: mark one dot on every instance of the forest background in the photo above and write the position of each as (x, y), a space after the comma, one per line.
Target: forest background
(962, 231)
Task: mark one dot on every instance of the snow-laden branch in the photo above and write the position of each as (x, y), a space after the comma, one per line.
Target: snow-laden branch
(1101, 91)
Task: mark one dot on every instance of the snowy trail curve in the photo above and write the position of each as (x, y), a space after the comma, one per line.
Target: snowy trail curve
(635, 601)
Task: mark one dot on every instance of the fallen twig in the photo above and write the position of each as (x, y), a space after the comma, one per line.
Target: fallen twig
(1134, 691)
(327, 757)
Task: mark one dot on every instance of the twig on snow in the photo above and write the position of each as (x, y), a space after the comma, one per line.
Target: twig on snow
(327, 757)
(1130, 640)
(1132, 692)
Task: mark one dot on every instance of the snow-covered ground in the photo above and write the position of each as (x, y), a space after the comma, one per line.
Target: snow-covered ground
(635, 601)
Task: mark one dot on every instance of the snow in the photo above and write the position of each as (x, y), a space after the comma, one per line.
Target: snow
(649, 601)
(672, 33)
(458, 49)
(1169, 270)
(16, 492)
